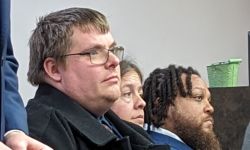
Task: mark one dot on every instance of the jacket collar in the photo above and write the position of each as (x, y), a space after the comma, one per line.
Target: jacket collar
(83, 121)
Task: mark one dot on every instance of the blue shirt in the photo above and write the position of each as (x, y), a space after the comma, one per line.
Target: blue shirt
(163, 136)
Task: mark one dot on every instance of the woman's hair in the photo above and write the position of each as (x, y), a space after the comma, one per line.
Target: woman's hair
(160, 90)
(128, 65)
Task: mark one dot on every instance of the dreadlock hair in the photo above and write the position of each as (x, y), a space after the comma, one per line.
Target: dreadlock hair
(160, 90)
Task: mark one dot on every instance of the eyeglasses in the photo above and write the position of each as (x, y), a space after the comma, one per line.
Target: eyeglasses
(100, 56)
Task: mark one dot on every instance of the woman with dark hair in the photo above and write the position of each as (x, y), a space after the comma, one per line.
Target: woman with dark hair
(130, 105)
(179, 110)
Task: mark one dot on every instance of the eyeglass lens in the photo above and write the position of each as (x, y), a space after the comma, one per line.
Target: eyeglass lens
(102, 56)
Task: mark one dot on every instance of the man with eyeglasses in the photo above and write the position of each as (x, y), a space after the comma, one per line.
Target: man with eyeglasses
(74, 60)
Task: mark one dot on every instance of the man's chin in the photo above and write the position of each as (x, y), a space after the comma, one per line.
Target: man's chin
(112, 94)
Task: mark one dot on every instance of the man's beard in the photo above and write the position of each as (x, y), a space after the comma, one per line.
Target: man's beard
(192, 134)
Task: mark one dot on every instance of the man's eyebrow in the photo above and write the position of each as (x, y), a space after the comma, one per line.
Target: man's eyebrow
(200, 88)
(102, 46)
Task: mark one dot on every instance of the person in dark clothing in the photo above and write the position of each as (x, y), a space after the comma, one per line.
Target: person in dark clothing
(75, 62)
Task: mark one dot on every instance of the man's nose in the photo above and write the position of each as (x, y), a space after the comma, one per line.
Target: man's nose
(113, 61)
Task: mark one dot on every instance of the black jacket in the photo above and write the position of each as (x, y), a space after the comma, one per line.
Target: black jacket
(60, 122)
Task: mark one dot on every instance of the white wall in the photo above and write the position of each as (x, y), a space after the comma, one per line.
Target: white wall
(156, 33)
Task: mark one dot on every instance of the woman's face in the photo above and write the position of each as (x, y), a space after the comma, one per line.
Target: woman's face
(130, 105)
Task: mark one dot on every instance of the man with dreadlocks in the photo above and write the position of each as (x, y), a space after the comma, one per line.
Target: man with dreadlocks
(179, 110)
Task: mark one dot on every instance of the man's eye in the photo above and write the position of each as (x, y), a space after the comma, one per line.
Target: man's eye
(198, 98)
(94, 52)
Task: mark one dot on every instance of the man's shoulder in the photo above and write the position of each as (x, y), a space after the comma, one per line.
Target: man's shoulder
(39, 117)
(35, 108)
(175, 144)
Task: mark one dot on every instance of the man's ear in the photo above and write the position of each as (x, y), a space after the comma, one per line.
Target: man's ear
(51, 68)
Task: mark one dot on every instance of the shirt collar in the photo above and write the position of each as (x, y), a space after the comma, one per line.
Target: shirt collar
(163, 131)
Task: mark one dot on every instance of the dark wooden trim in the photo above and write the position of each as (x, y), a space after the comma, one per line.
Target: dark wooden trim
(231, 115)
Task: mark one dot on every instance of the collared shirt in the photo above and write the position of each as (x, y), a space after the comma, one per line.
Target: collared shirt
(164, 136)
(163, 131)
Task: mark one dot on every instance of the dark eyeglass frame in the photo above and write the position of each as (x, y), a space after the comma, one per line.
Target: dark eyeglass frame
(90, 52)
